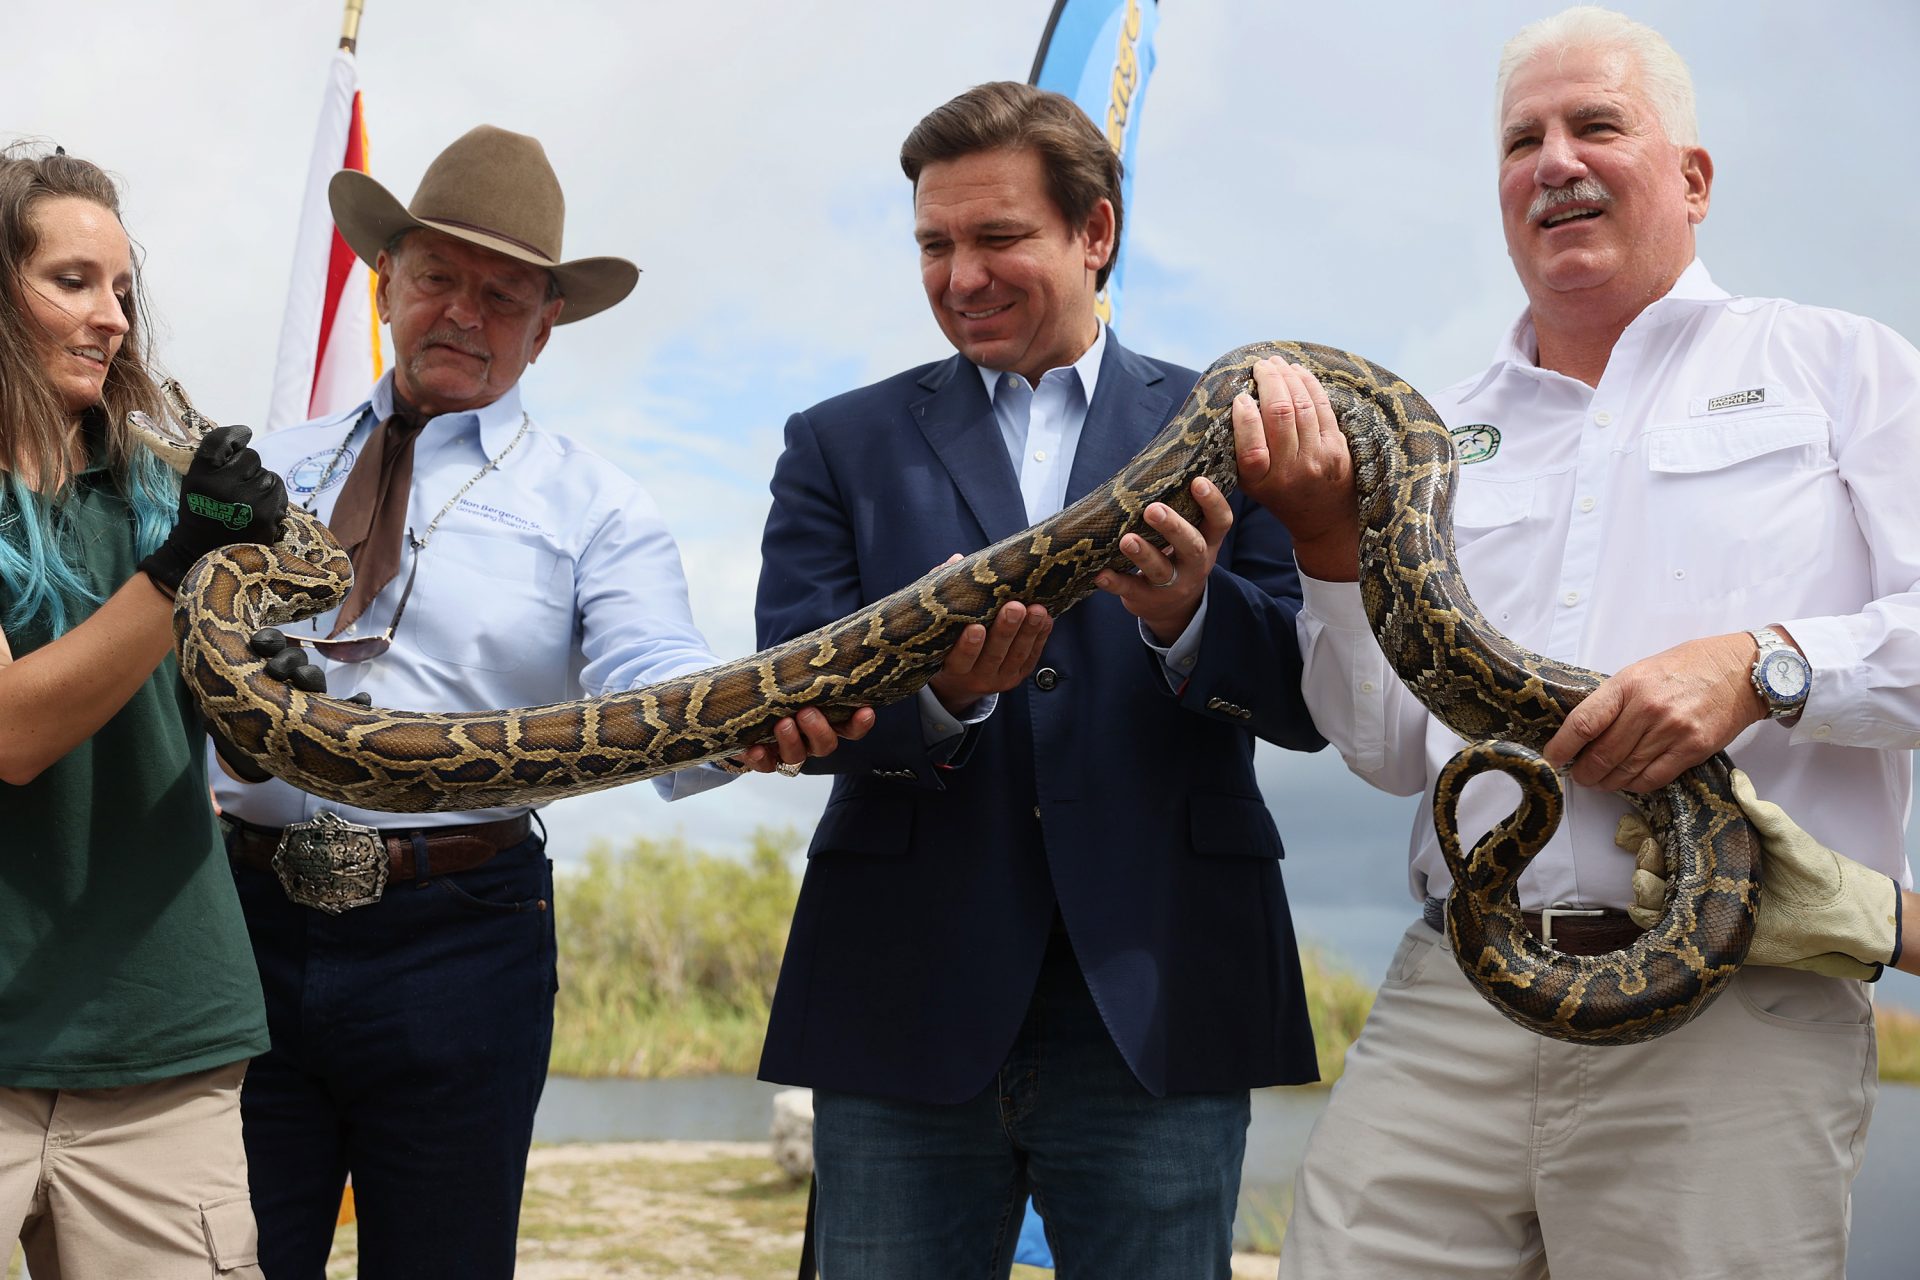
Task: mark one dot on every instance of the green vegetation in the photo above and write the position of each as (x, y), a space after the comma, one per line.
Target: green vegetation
(1338, 1003)
(668, 958)
(1899, 1035)
(1261, 1223)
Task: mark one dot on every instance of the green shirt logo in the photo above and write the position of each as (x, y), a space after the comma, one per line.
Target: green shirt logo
(234, 515)
(1476, 442)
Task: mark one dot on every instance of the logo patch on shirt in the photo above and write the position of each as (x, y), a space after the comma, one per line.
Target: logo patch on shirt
(1737, 399)
(304, 476)
(1476, 442)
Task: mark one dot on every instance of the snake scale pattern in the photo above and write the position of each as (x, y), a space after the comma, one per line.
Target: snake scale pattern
(1478, 683)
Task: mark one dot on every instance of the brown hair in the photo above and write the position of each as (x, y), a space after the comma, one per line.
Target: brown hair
(1082, 169)
(34, 425)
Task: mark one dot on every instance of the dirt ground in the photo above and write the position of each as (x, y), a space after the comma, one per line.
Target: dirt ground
(668, 1211)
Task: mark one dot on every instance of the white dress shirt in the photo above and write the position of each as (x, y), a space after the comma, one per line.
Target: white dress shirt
(1743, 462)
(553, 578)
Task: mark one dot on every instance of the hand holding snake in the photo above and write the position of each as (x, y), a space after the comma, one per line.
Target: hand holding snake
(1295, 462)
(1375, 504)
(1164, 591)
(1655, 718)
(1468, 675)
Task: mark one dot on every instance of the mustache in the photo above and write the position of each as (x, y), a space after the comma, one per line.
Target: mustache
(457, 341)
(1585, 191)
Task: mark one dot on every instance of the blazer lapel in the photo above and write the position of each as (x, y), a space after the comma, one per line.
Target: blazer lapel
(958, 423)
(1131, 401)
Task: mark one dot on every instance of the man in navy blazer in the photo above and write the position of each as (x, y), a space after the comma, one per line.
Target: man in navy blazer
(1042, 944)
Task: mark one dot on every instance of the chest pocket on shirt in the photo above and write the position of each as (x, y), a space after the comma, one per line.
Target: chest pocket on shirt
(1490, 504)
(493, 604)
(1488, 515)
(1740, 502)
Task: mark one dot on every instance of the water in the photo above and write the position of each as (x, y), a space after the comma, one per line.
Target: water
(694, 1108)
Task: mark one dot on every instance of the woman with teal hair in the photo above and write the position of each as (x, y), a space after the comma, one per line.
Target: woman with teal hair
(128, 1001)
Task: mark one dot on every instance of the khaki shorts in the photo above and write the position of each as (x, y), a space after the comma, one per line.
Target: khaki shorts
(1459, 1146)
(145, 1180)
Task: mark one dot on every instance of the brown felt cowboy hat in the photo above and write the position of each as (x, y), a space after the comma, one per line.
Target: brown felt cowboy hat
(494, 189)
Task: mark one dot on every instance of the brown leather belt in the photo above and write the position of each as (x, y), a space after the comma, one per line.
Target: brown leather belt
(449, 849)
(1574, 935)
(1586, 935)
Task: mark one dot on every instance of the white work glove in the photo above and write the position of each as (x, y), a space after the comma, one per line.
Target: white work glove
(1819, 910)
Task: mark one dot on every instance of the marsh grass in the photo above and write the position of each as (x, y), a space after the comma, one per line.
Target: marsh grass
(1338, 1003)
(1898, 1033)
(668, 957)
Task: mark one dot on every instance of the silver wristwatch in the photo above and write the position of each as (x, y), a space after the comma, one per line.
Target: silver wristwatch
(1781, 674)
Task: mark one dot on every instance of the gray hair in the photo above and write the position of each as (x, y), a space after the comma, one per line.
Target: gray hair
(1663, 75)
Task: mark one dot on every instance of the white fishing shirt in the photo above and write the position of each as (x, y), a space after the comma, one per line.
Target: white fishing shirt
(553, 578)
(1743, 462)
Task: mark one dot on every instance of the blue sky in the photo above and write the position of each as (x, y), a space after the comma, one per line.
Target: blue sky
(1304, 171)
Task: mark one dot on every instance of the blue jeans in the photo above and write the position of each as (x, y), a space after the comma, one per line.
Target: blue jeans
(1128, 1184)
(410, 1042)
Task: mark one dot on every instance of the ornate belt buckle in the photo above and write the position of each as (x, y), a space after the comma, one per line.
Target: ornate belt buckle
(331, 864)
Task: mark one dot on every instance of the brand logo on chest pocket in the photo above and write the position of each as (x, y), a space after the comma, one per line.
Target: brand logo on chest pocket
(1737, 399)
(1476, 442)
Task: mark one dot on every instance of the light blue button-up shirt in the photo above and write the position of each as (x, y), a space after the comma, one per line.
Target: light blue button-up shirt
(1041, 427)
(551, 579)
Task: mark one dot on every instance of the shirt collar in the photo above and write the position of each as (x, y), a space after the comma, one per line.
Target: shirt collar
(1087, 366)
(1519, 349)
(496, 423)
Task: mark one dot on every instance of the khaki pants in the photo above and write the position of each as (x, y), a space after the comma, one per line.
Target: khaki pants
(146, 1181)
(1458, 1145)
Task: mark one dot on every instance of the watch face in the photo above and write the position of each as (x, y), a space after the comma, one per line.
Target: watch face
(1786, 676)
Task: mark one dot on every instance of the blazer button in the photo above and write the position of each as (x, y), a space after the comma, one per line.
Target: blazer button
(1046, 678)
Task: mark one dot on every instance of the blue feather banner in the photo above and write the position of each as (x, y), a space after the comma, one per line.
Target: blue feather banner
(1100, 54)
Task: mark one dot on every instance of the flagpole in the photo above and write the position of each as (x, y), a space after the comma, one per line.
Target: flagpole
(350, 26)
(329, 337)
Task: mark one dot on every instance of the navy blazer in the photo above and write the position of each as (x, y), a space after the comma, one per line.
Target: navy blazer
(933, 876)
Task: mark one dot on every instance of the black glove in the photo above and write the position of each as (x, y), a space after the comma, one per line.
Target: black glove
(286, 661)
(225, 497)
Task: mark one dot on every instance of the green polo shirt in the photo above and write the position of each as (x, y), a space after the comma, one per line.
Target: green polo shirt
(123, 954)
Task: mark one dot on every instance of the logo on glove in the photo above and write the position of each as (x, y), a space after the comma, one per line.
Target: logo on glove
(234, 515)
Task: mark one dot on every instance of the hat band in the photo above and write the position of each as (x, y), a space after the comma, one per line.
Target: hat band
(515, 241)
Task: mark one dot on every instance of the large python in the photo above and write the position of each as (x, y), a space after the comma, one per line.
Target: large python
(1472, 678)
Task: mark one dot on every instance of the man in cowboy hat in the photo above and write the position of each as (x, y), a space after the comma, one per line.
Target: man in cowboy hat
(496, 564)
